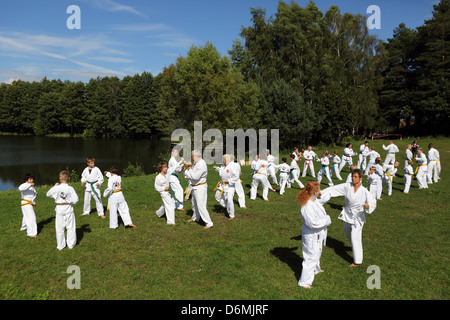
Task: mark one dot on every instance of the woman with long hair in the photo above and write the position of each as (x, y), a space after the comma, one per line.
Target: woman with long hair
(314, 231)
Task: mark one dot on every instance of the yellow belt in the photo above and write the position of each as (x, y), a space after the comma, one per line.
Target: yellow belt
(223, 188)
(200, 184)
(27, 202)
(260, 173)
(115, 191)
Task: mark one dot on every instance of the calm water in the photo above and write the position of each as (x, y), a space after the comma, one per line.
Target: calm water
(45, 157)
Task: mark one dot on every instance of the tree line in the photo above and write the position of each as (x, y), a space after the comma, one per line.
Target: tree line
(318, 77)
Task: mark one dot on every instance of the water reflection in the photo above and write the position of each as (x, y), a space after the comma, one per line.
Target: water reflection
(45, 157)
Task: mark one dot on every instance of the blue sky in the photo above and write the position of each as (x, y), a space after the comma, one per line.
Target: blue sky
(125, 37)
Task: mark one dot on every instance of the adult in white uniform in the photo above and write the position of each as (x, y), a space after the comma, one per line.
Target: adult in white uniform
(197, 173)
(362, 156)
(295, 172)
(116, 200)
(309, 156)
(391, 149)
(162, 185)
(65, 198)
(174, 180)
(314, 231)
(373, 154)
(432, 168)
(259, 166)
(238, 185)
(421, 171)
(408, 155)
(225, 188)
(358, 202)
(28, 196)
(92, 177)
(347, 156)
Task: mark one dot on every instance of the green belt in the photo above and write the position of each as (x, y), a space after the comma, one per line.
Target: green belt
(93, 189)
(391, 152)
(175, 175)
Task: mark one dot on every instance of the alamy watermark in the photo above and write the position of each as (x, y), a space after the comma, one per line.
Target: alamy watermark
(74, 281)
(374, 281)
(214, 151)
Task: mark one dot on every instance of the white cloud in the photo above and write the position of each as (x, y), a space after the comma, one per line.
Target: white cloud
(113, 6)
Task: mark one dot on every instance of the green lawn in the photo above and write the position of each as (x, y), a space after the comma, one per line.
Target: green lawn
(256, 256)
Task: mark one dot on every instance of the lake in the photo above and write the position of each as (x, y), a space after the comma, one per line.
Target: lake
(45, 157)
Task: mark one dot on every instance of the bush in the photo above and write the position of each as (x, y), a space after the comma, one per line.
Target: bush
(133, 170)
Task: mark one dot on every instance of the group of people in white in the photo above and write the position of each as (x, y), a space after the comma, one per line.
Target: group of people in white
(358, 199)
(65, 198)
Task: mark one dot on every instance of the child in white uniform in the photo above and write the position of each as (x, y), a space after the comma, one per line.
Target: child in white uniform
(389, 174)
(28, 194)
(116, 200)
(284, 174)
(335, 165)
(324, 170)
(408, 174)
(92, 177)
(309, 156)
(65, 198)
(295, 172)
(372, 178)
(225, 188)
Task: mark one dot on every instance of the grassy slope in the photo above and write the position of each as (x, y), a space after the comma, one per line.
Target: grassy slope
(256, 256)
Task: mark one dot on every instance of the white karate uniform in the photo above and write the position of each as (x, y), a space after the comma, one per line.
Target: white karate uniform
(335, 167)
(388, 177)
(65, 198)
(284, 175)
(260, 176)
(408, 156)
(314, 233)
(392, 149)
(362, 157)
(91, 178)
(347, 158)
(175, 183)
(116, 201)
(225, 191)
(295, 173)
(324, 170)
(168, 206)
(197, 178)
(421, 174)
(432, 168)
(372, 156)
(408, 173)
(271, 168)
(28, 194)
(238, 185)
(309, 162)
(373, 184)
(353, 214)
(379, 175)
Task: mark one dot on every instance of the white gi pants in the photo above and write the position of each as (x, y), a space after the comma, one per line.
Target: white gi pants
(124, 212)
(295, 175)
(87, 201)
(324, 171)
(226, 199)
(361, 162)
(335, 170)
(271, 173)
(379, 187)
(240, 192)
(408, 179)
(308, 164)
(388, 180)
(28, 220)
(178, 191)
(312, 251)
(432, 172)
(199, 199)
(422, 177)
(168, 208)
(354, 235)
(283, 182)
(65, 221)
(257, 179)
(373, 189)
(390, 158)
(345, 160)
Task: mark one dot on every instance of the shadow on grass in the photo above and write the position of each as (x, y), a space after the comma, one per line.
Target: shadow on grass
(340, 248)
(41, 224)
(292, 259)
(81, 231)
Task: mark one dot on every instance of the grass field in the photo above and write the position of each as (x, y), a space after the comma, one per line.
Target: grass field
(256, 256)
